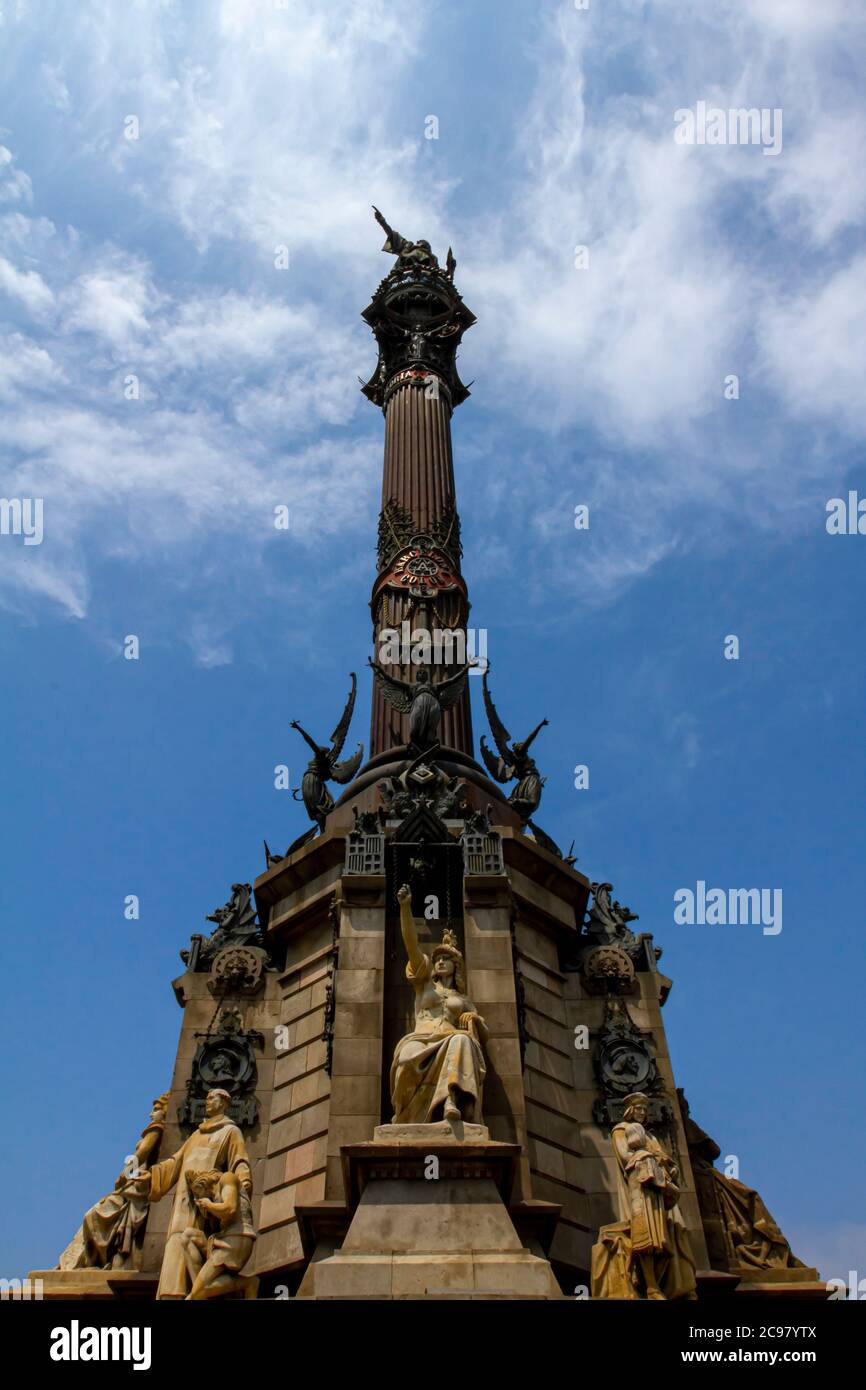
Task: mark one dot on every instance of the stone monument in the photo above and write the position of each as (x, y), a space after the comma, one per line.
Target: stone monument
(423, 1054)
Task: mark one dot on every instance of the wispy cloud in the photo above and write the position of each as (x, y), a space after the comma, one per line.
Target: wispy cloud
(260, 127)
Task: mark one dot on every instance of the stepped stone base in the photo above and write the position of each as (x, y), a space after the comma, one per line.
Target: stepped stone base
(799, 1281)
(413, 1234)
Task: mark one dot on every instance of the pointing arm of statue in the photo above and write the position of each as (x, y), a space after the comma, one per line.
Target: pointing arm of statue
(307, 739)
(408, 929)
(394, 243)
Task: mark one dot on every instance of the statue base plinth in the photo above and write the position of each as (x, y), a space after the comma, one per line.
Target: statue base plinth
(442, 1131)
(796, 1282)
(429, 1220)
(93, 1284)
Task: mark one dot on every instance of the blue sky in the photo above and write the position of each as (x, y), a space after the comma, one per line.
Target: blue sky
(260, 127)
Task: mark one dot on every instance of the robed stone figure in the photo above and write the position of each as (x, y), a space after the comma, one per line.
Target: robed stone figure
(438, 1069)
(647, 1254)
(217, 1144)
(111, 1232)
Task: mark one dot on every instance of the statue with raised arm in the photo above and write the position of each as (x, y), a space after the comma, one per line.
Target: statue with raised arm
(422, 700)
(409, 253)
(514, 762)
(647, 1253)
(438, 1069)
(324, 765)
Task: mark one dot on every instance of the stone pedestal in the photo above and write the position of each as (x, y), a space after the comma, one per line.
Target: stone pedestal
(427, 1218)
(94, 1284)
(797, 1281)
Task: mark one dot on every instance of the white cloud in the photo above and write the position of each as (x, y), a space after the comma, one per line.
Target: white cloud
(208, 645)
(26, 286)
(15, 186)
(56, 88)
(814, 348)
(817, 193)
(25, 366)
(803, 19)
(262, 126)
(113, 302)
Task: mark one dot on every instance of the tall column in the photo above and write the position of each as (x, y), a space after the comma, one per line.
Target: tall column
(418, 319)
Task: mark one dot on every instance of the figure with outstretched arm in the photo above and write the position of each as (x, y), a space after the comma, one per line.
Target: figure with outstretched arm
(325, 765)
(514, 762)
(407, 252)
(423, 701)
(438, 1069)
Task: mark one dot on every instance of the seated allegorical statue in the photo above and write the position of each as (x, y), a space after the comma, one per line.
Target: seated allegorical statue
(752, 1239)
(646, 1254)
(438, 1069)
(111, 1232)
(214, 1260)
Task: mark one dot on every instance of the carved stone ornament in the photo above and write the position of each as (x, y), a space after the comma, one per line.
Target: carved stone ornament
(424, 786)
(606, 929)
(482, 846)
(235, 926)
(224, 1060)
(365, 845)
(606, 921)
(624, 1062)
(608, 970)
(330, 1011)
(400, 541)
(237, 970)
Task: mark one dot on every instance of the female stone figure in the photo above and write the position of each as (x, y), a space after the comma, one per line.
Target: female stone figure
(111, 1233)
(647, 1254)
(438, 1069)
